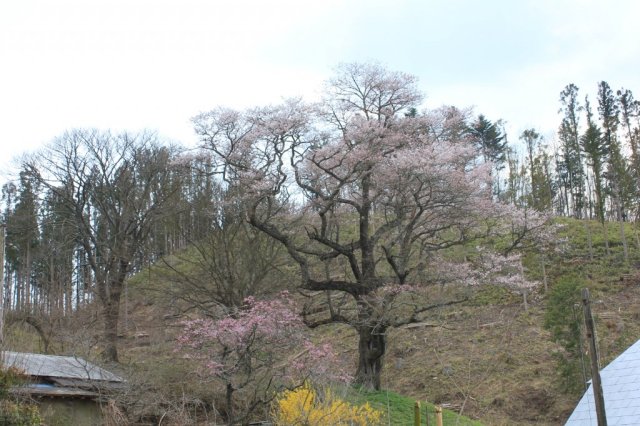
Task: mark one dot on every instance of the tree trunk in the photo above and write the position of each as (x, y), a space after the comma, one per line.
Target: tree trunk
(625, 246)
(544, 276)
(229, 399)
(623, 238)
(27, 281)
(111, 313)
(587, 228)
(371, 350)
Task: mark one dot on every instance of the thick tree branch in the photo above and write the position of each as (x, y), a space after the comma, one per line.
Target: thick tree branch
(418, 310)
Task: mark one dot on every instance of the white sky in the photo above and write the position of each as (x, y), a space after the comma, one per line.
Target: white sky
(134, 64)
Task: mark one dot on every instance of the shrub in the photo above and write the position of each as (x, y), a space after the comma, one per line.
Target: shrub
(564, 324)
(15, 413)
(19, 414)
(255, 353)
(303, 406)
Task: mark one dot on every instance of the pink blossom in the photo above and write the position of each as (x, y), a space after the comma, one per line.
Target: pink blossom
(268, 332)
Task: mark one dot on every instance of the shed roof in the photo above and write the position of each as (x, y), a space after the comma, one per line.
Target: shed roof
(67, 367)
(621, 388)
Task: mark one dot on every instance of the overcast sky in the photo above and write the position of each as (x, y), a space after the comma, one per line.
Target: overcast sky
(153, 64)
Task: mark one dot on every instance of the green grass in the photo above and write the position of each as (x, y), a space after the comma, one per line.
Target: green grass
(493, 295)
(399, 410)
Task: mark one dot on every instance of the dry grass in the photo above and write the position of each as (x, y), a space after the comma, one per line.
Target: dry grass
(489, 360)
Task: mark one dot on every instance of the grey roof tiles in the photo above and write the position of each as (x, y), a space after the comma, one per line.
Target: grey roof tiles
(621, 388)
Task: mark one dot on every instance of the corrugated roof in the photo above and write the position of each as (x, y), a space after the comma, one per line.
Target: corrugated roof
(68, 367)
(621, 388)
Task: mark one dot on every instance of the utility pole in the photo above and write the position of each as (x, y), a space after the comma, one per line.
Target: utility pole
(596, 383)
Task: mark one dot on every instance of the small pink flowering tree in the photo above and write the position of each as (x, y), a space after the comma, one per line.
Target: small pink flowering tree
(359, 189)
(533, 231)
(486, 267)
(504, 270)
(257, 352)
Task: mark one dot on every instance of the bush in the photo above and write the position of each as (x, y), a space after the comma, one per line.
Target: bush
(303, 406)
(564, 322)
(19, 414)
(15, 413)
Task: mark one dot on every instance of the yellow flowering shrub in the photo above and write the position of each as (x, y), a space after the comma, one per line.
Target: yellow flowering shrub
(303, 407)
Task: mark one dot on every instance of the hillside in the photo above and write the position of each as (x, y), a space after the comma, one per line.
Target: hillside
(496, 362)
(488, 358)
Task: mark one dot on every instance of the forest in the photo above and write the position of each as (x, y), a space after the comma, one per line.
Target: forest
(292, 254)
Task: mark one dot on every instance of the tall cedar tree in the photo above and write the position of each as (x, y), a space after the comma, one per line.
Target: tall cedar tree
(596, 152)
(59, 244)
(629, 109)
(541, 189)
(22, 243)
(617, 171)
(570, 144)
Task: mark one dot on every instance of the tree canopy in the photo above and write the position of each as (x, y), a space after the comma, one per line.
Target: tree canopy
(360, 180)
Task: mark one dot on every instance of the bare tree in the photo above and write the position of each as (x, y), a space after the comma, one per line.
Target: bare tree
(113, 187)
(229, 263)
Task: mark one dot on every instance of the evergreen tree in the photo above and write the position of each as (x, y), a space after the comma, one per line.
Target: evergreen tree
(539, 196)
(492, 144)
(542, 191)
(22, 242)
(596, 152)
(515, 192)
(617, 171)
(488, 138)
(57, 260)
(9, 190)
(630, 108)
(572, 157)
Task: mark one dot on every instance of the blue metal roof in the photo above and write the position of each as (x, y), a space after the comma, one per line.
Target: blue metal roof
(621, 388)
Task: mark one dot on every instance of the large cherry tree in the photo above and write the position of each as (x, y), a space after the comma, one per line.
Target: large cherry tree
(360, 189)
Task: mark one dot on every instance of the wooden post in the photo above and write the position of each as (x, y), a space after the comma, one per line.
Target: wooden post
(416, 414)
(580, 348)
(2, 234)
(426, 414)
(596, 383)
(438, 415)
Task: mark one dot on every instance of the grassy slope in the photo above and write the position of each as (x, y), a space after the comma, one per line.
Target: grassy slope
(399, 410)
(488, 359)
(495, 362)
